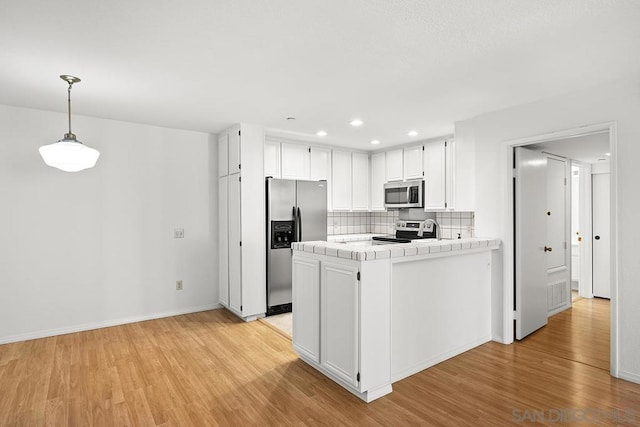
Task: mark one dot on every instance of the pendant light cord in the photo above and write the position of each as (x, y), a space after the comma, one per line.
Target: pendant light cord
(69, 105)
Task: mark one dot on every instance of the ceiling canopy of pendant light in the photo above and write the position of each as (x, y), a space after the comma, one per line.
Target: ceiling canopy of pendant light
(69, 154)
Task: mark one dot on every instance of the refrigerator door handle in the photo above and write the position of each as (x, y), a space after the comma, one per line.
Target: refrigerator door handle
(299, 226)
(295, 224)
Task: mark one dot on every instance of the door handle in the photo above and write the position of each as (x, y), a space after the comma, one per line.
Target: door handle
(597, 237)
(295, 224)
(299, 226)
(548, 248)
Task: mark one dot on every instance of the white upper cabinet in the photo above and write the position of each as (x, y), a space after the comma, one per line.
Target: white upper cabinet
(413, 163)
(234, 151)
(295, 161)
(272, 159)
(320, 163)
(378, 179)
(360, 181)
(341, 181)
(439, 175)
(394, 165)
(223, 154)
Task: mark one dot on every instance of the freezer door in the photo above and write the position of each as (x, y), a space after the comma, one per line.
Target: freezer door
(281, 199)
(312, 208)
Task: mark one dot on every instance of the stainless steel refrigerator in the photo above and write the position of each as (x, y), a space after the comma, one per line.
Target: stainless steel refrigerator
(296, 212)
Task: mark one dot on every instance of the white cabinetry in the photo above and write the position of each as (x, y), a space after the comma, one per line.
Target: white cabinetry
(223, 227)
(438, 174)
(360, 182)
(341, 181)
(341, 327)
(306, 303)
(295, 161)
(394, 165)
(319, 163)
(241, 200)
(378, 179)
(223, 154)
(413, 163)
(272, 159)
(340, 321)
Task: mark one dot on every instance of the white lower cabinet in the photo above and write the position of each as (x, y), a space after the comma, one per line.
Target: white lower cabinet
(339, 321)
(340, 327)
(306, 303)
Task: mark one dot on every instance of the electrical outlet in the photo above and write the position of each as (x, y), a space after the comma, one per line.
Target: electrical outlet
(178, 285)
(178, 233)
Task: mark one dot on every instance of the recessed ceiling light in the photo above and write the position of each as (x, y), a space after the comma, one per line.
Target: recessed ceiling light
(413, 133)
(356, 122)
(607, 154)
(375, 142)
(321, 133)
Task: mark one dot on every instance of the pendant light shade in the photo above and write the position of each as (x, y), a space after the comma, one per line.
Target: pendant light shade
(69, 154)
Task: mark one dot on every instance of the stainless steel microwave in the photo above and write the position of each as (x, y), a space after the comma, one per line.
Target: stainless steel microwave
(405, 194)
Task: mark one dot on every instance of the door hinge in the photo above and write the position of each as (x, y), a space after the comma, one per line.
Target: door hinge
(309, 149)
(565, 245)
(239, 133)
(239, 166)
(565, 181)
(445, 143)
(239, 179)
(240, 308)
(515, 172)
(516, 316)
(422, 173)
(358, 276)
(423, 148)
(358, 377)
(240, 242)
(445, 205)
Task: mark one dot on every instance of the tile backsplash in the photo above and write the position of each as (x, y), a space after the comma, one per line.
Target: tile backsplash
(361, 222)
(451, 223)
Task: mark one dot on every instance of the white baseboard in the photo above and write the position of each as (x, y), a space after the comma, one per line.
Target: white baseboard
(105, 324)
(629, 376)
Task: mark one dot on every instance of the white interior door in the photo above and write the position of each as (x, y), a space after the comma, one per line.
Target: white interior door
(601, 238)
(530, 236)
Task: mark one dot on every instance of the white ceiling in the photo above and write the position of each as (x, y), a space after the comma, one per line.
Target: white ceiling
(397, 65)
(589, 148)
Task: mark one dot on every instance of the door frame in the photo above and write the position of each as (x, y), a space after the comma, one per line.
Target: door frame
(508, 209)
(585, 286)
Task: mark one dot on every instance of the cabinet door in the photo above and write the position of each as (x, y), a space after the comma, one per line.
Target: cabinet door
(295, 161)
(223, 155)
(394, 165)
(378, 178)
(272, 159)
(235, 253)
(234, 151)
(320, 163)
(223, 230)
(320, 168)
(412, 163)
(341, 181)
(339, 321)
(450, 170)
(306, 307)
(360, 182)
(434, 175)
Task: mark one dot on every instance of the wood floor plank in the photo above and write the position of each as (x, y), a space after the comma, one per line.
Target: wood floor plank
(210, 368)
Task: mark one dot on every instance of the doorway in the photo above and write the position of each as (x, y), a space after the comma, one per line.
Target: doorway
(573, 146)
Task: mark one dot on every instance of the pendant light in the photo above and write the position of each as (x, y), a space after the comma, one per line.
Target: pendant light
(69, 154)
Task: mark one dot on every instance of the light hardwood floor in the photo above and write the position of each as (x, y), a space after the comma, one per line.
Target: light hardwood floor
(211, 369)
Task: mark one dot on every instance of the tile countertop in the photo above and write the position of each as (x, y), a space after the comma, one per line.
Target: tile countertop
(394, 250)
(352, 237)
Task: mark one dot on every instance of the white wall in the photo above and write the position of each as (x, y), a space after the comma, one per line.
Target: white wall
(94, 248)
(618, 101)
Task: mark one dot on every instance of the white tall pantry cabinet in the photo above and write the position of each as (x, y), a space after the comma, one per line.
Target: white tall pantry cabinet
(242, 271)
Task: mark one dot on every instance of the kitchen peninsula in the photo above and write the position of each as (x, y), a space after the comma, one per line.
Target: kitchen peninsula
(368, 316)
